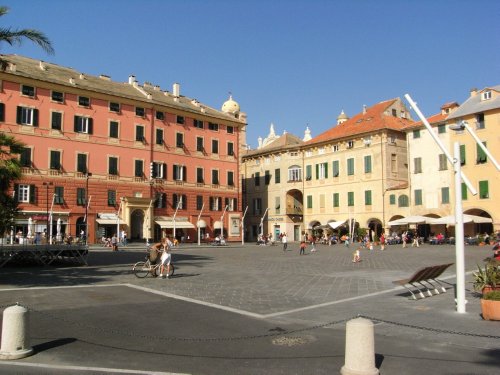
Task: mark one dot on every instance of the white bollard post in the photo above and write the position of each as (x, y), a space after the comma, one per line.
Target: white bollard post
(15, 335)
(359, 348)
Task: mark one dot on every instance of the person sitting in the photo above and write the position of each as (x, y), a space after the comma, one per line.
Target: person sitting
(440, 239)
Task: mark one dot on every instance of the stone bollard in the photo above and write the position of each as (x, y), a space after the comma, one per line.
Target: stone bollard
(15, 335)
(359, 348)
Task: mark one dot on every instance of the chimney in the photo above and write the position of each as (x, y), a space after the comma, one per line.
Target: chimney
(364, 109)
(82, 76)
(156, 88)
(105, 77)
(12, 67)
(42, 65)
(176, 90)
(72, 81)
(131, 79)
(473, 92)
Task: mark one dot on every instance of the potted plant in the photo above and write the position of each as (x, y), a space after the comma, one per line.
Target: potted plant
(487, 278)
(490, 305)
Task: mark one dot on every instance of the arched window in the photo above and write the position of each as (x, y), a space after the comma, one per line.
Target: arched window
(295, 173)
(403, 201)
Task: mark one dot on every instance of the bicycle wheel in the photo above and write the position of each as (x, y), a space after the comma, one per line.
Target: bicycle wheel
(172, 269)
(141, 269)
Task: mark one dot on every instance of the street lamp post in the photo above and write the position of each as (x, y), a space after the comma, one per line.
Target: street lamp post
(47, 184)
(88, 175)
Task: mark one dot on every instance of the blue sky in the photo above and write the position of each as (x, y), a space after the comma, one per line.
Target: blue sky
(294, 63)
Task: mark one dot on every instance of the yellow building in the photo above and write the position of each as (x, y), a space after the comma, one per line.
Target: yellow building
(482, 113)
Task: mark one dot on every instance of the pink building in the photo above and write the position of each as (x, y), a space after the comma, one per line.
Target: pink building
(126, 156)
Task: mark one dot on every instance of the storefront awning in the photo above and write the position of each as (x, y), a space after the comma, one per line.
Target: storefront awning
(202, 224)
(217, 225)
(178, 224)
(109, 221)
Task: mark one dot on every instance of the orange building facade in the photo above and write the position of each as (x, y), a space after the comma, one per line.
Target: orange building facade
(103, 157)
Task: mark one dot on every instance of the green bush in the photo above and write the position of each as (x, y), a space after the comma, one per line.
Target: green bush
(492, 296)
(487, 276)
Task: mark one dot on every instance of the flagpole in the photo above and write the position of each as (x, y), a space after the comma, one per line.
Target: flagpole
(50, 218)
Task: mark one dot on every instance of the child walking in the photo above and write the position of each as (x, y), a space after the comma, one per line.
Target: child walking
(302, 248)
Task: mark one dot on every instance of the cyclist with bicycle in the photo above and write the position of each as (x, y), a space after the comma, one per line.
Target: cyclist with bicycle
(164, 248)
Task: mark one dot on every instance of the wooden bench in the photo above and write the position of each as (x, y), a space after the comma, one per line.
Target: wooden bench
(425, 275)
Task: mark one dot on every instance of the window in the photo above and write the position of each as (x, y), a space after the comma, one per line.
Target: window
(392, 199)
(350, 144)
(139, 168)
(198, 124)
(199, 144)
(139, 133)
(55, 160)
(56, 120)
(114, 107)
(277, 205)
(231, 203)
(441, 128)
(215, 204)
(294, 173)
(256, 179)
(464, 191)
(277, 176)
(199, 175)
(481, 155)
(83, 125)
(83, 101)
(230, 129)
(445, 195)
(308, 172)
(486, 95)
(309, 200)
(25, 193)
(81, 163)
(335, 148)
(416, 134)
(158, 170)
(27, 116)
(257, 206)
(113, 165)
(80, 197)
(368, 164)
(161, 200)
(57, 96)
(462, 154)
(179, 172)
(213, 126)
(160, 115)
(417, 165)
(159, 137)
(443, 162)
(230, 178)
(113, 129)
(350, 166)
(483, 190)
(180, 120)
(321, 171)
(199, 202)
(111, 197)
(59, 195)
(350, 198)
(403, 201)
(215, 177)
(179, 200)
(179, 140)
(335, 168)
(25, 157)
(267, 177)
(336, 199)
(394, 163)
(418, 197)
(2, 112)
(139, 111)
(28, 90)
(230, 148)
(368, 197)
(480, 121)
(215, 146)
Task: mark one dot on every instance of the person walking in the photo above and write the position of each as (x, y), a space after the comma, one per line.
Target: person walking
(415, 240)
(382, 242)
(404, 237)
(311, 241)
(302, 248)
(284, 241)
(114, 242)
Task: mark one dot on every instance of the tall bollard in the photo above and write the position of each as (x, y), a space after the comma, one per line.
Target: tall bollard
(359, 348)
(15, 335)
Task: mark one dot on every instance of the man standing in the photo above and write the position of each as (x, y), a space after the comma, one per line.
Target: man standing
(284, 240)
(114, 242)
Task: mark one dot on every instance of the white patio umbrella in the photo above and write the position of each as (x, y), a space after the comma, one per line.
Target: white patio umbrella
(336, 224)
(30, 224)
(415, 219)
(58, 235)
(450, 219)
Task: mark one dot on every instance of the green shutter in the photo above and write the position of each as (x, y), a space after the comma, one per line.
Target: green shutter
(445, 195)
(392, 199)
(32, 194)
(462, 154)
(309, 201)
(368, 197)
(368, 164)
(326, 170)
(335, 199)
(335, 168)
(464, 191)
(350, 198)
(308, 172)
(2, 112)
(481, 155)
(483, 190)
(418, 197)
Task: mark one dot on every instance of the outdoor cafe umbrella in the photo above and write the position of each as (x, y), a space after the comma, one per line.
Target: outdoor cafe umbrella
(30, 224)
(450, 219)
(336, 224)
(415, 219)
(58, 235)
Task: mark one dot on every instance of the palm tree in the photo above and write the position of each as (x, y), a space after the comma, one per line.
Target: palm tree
(15, 37)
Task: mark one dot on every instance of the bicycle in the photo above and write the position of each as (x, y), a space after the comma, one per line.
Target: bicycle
(144, 268)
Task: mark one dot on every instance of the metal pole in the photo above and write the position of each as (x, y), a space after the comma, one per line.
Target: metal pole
(243, 226)
(198, 224)
(175, 214)
(50, 218)
(459, 233)
(222, 223)
(87, 209)
(262, 223)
